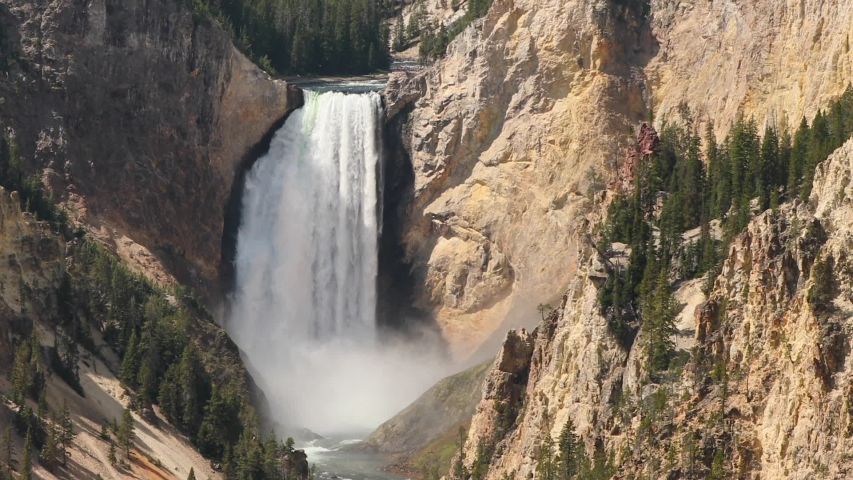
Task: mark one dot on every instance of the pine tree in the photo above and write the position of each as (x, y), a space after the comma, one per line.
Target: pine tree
(111, 455)
(190, 379)
(49, 452)
(272, 453)
(130, 362)
(459, 470)
(20, 377)
(42, 403)
(718, 467)
(545, 467)
(659, 312)
(66, 429)
(170, 395)
(26, 466)
(818, 150)
(400, 39)
(799, 152)
(7, 448)
(570, 451)
(191, 476)
(413, 30)
(125, 432)
(770, 167)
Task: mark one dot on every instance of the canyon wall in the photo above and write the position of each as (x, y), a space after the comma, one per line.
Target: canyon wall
(766, 385)
(518, 129)
(137, 114)
(517, 135)
(34, 263)
(507, 135)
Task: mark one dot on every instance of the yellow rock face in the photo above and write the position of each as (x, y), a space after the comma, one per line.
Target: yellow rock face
(527, 117)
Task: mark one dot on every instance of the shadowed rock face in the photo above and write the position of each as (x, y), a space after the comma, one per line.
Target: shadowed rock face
(30, 272)
(139, 113)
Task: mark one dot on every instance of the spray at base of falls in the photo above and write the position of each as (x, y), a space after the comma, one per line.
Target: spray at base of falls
(304, 306)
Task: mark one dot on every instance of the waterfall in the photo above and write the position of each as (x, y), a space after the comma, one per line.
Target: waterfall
(304, 306)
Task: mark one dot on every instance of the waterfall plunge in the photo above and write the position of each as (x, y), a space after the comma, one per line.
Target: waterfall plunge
(305, 302)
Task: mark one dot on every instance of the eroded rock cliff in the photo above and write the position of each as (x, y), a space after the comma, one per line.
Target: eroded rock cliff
(508, 133)
(526, 117)
(513, 136)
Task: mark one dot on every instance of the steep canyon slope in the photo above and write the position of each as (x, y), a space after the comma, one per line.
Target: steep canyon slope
(513, 138)
(137, 115)
(766, 386)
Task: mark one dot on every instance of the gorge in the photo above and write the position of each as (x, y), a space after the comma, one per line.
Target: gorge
(657, 191)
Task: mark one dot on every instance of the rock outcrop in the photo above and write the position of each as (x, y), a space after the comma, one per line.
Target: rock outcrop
(138, 114)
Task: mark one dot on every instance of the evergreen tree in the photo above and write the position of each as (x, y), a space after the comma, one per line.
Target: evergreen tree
(126, 432)
(130, 363)
(272, 453)
(818, 150)
(170, 396)
(6, 451)
(718, 467)
(546, 469)
(743, 159)
(840, 118)
(49, 452)
(190, 379)
(191, 476)
(659, 312)
(571, 449)
(400, 39)
(42, 403)
(66, 430)
(459, 470)
(798, 156)
(770, 167)
(413, 30)
(20, 374)
(26, 466)
(111, 455)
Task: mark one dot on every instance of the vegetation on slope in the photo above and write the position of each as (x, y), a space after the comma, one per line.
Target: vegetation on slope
(29, 188)
(306, 36)
(676, 189)
(435, 36)
(171, 354)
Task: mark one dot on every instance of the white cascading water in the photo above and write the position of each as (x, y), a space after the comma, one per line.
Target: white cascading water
(304, 306)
